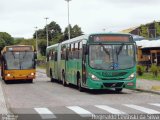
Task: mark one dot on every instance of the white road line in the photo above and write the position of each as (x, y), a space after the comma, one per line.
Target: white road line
(155, 104)
(45, 113)
(82, 112)
(142, 109)
(110, 109)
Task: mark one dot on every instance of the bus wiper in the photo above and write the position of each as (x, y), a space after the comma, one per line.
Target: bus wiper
(120, 49)
(106, 51)
(24, 55)
(13, 54)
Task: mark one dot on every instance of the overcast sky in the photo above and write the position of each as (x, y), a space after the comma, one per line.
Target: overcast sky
(19, 17)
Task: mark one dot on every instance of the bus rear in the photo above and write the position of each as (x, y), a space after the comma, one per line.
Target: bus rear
(18, 63)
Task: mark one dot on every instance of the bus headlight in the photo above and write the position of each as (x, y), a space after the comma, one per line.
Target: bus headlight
(32, 73)
(93, 77)
(131, 76)
(8, 75)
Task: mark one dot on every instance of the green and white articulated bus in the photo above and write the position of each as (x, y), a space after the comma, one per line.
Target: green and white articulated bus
(94, 61)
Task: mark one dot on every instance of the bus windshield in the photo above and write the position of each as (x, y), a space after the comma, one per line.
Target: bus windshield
(19, 60)
(109, 57)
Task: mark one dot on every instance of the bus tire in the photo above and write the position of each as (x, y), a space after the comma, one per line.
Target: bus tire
(79, 83)
(51, 76)
(7, 81)
(118, 89)
(30, 81)
(63, 79)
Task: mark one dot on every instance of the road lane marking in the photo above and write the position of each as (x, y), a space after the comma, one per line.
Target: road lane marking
(45, 113)
(142, 109)
(82, 112)
(155, 104)
(110, 109)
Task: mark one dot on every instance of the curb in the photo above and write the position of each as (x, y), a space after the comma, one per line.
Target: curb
(148, 91)
(3, 104)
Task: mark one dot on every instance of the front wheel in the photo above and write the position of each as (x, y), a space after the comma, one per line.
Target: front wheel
(80, 86)
(118, 89)
(63, 79)
(51, 76)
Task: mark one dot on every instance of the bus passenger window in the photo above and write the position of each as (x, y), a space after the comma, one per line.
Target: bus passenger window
(80, 50)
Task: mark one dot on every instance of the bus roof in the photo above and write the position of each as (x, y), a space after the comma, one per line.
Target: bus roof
(52, 46)
(83, 37)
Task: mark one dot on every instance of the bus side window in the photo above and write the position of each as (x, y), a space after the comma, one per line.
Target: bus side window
(80, 49)
(67, 51)
(76, 54)
(63, 52)
(52, 55)
(70, 51)
(55, 56)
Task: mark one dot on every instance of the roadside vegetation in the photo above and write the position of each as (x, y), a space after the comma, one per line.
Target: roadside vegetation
(149, 73)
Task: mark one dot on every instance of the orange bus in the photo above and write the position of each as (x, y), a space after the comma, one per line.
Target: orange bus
(18, 62)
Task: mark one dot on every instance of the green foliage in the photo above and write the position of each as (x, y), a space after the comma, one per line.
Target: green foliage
(2, 44)
(140, 70)
(54, 33)
(27, 42)
(42, 46)
(5, 39)
(144, 31)
(154, 70)
(157, 27)
(74, 32)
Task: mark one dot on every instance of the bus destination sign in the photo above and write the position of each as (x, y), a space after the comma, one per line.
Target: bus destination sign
(20, 48)
(109, 38)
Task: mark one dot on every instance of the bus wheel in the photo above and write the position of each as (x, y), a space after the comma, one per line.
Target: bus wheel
(63, 79)
(118, 89)
(7, 81)
(30, 81)
(80, 86)
(52, 79)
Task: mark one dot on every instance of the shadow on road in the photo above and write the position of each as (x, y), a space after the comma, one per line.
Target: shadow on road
(93, 92)
(18, 81)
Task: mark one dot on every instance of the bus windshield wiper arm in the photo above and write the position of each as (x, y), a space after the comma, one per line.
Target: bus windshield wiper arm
(106, 51)
(13, 54)
(120, 49)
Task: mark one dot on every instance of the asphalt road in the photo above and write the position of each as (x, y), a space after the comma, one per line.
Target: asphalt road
(43, 99)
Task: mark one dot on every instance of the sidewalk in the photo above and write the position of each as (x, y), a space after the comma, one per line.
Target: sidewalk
(152, 86)
(3, 107)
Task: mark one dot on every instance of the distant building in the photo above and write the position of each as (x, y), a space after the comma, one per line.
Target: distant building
(148, 52)
(149, 30)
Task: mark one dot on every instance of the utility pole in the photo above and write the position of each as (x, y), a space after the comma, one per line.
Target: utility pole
(69, 35)
(46, 30)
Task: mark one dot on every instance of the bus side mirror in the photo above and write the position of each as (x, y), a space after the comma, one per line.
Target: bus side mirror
(85, 49)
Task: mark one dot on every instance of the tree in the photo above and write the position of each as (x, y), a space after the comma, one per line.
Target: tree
(74, 32)
(54, 30)
(28, 42)
(5, 39)
(157, 28)
(42, 47)
(144, 31)
(2, 44)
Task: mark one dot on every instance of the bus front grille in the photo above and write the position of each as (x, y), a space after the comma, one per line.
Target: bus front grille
(119, 84)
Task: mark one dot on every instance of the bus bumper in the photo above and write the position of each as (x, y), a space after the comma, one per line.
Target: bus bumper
(19, 74)
(108, 84)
